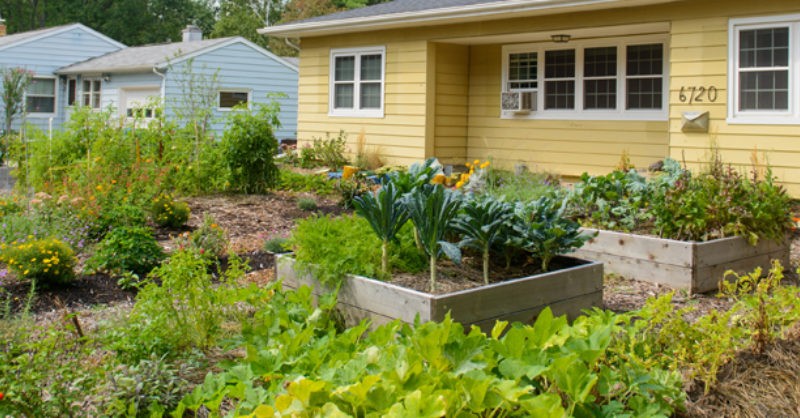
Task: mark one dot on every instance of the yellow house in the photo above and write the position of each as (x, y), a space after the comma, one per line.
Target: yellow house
(560, 85)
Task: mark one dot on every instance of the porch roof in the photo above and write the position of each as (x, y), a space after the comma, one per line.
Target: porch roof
(415, 13)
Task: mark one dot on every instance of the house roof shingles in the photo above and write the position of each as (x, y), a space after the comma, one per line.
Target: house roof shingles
(139, 58)
(396, 6)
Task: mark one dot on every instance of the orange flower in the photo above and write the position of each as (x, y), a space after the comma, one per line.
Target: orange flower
(348, 171)
(439, 179)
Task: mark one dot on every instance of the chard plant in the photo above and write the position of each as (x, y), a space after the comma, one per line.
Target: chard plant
(432, 209)
(543, 230)
(386, 214)
(484, 223)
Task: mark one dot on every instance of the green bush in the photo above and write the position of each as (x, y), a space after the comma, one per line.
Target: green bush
(277, 245)
(47, 261)
(333, 247)
(307, 204)
(249, 145)
(127, 248)
(209, 238)
(168, 212)
(297, 182)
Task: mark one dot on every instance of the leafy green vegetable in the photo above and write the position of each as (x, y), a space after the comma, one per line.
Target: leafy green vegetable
(386, 214)
(483, 223)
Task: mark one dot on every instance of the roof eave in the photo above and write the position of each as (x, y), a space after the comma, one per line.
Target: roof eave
(108, 70)
(450, 15)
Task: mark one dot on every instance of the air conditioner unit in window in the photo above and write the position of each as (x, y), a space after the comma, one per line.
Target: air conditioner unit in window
(518, 101)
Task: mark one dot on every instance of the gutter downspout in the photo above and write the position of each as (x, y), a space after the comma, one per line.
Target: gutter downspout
(291, 45)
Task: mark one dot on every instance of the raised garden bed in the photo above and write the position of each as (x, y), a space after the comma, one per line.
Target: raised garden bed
(567, 291)
(695, 266)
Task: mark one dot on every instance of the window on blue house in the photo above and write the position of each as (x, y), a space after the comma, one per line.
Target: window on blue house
(40, 97)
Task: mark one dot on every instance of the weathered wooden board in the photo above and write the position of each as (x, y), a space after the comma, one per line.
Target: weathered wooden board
(694, 266)
(567, 291)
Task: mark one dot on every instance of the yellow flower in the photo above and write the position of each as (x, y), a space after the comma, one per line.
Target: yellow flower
(484, 165)
(439, 179)
(99, 187)
(476, 162)
(25, 272)
(459, 184)
(348, 171)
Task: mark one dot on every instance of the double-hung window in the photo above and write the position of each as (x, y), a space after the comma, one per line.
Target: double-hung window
(611, 79)
(229, 98)
(357, 82)
(40, 96)
(91, 93)
(764, 75)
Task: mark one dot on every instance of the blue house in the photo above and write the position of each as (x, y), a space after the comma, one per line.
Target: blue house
(195, 73)
(43, 52)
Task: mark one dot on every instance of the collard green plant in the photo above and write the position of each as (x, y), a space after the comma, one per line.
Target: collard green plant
(249, 145)
(614, 201)
(386, 213)
(484, 223)
(418, 174)
(543, 230)
(432, 209)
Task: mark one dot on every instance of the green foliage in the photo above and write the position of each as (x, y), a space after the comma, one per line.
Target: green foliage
(277, 245)
(484, 223)
(12, 98)
(328, 152)
(352, 188)
(543, 230)
(308, 204)
(297, 182)
(127, 248)
(549, 369)
(48, 261)
(45, 370)
(333, 247)
(432, 209)
(249, 146)
(149, 388)
(615, 201)
(525, 187)
(386, 213)
(184, 309)
(418, 174)
(168, 212)
(209, 239)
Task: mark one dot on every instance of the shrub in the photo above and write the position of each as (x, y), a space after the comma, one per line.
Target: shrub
(128, 248)
(333, 247)
(307, 204)
(297, 182)
(277, 245)
(209, 238)
(168, 212)
(47, 261)
(249, 146)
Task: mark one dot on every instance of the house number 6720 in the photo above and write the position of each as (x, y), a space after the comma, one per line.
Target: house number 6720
(697, 94)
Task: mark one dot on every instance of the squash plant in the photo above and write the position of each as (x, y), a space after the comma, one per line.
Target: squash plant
(386, 214)
(432, 209)
(483, 223)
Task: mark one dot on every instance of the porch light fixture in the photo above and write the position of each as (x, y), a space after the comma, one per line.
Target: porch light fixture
(106, 77)
(561, 38)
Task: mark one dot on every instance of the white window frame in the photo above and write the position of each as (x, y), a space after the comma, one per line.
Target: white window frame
(578, 112)
(91, 93)
(355, 111)
(249, 94)
(792, 115)
(55, 97)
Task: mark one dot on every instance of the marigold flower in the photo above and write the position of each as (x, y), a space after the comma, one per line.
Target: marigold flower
(484, 165)
(439, 179)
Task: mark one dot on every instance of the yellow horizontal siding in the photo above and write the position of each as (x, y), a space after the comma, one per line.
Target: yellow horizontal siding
(451, 99)
(699, 57)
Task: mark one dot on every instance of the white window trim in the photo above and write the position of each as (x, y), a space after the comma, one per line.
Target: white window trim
(55, 98)
(355, 112)
(91, 81)
(578, 113)
(790, 117)
(230, 109)
(124, 102)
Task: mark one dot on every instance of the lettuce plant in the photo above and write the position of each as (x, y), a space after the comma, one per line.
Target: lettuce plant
(432, 209)
(386, 214)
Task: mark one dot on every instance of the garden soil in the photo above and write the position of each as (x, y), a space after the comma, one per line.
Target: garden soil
(753, 385)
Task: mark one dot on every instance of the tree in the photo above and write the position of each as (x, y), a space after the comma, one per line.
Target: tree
(245, 17)
(15, 81)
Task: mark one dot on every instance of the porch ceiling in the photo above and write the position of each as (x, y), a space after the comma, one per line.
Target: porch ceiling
(575, 34)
